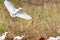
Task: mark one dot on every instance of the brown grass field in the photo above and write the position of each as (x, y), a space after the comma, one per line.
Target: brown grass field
(45, 21)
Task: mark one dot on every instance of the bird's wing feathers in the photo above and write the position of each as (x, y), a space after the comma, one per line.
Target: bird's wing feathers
(23, 15)
(10, 7)
(14, 12)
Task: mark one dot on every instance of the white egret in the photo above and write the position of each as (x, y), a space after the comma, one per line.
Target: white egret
(52, 38)
(16, 12)
(18, 38)
(3, 36)
(58, 37)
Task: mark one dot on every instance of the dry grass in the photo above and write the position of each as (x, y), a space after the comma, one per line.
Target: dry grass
(44, 22)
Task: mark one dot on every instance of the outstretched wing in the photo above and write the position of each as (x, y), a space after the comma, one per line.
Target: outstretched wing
(9, 6)
(23, 15)
(14, 12)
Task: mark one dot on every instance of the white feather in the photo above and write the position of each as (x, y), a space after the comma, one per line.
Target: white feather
(58, 37)
(52, 38)
(18, 38)
(3, 36)
(15, 12)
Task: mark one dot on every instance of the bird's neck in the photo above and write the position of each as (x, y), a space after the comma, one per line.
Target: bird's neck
(4, 34)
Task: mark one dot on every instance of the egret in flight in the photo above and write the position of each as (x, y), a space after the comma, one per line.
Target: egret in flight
(16, 12)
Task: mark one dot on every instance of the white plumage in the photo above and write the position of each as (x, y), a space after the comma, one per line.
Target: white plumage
(58, 37)
(18, 38)
(3, 36)
(16, 12)
(52, 38)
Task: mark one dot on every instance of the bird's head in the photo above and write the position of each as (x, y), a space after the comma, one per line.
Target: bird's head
(5, 33)
(22, 36)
